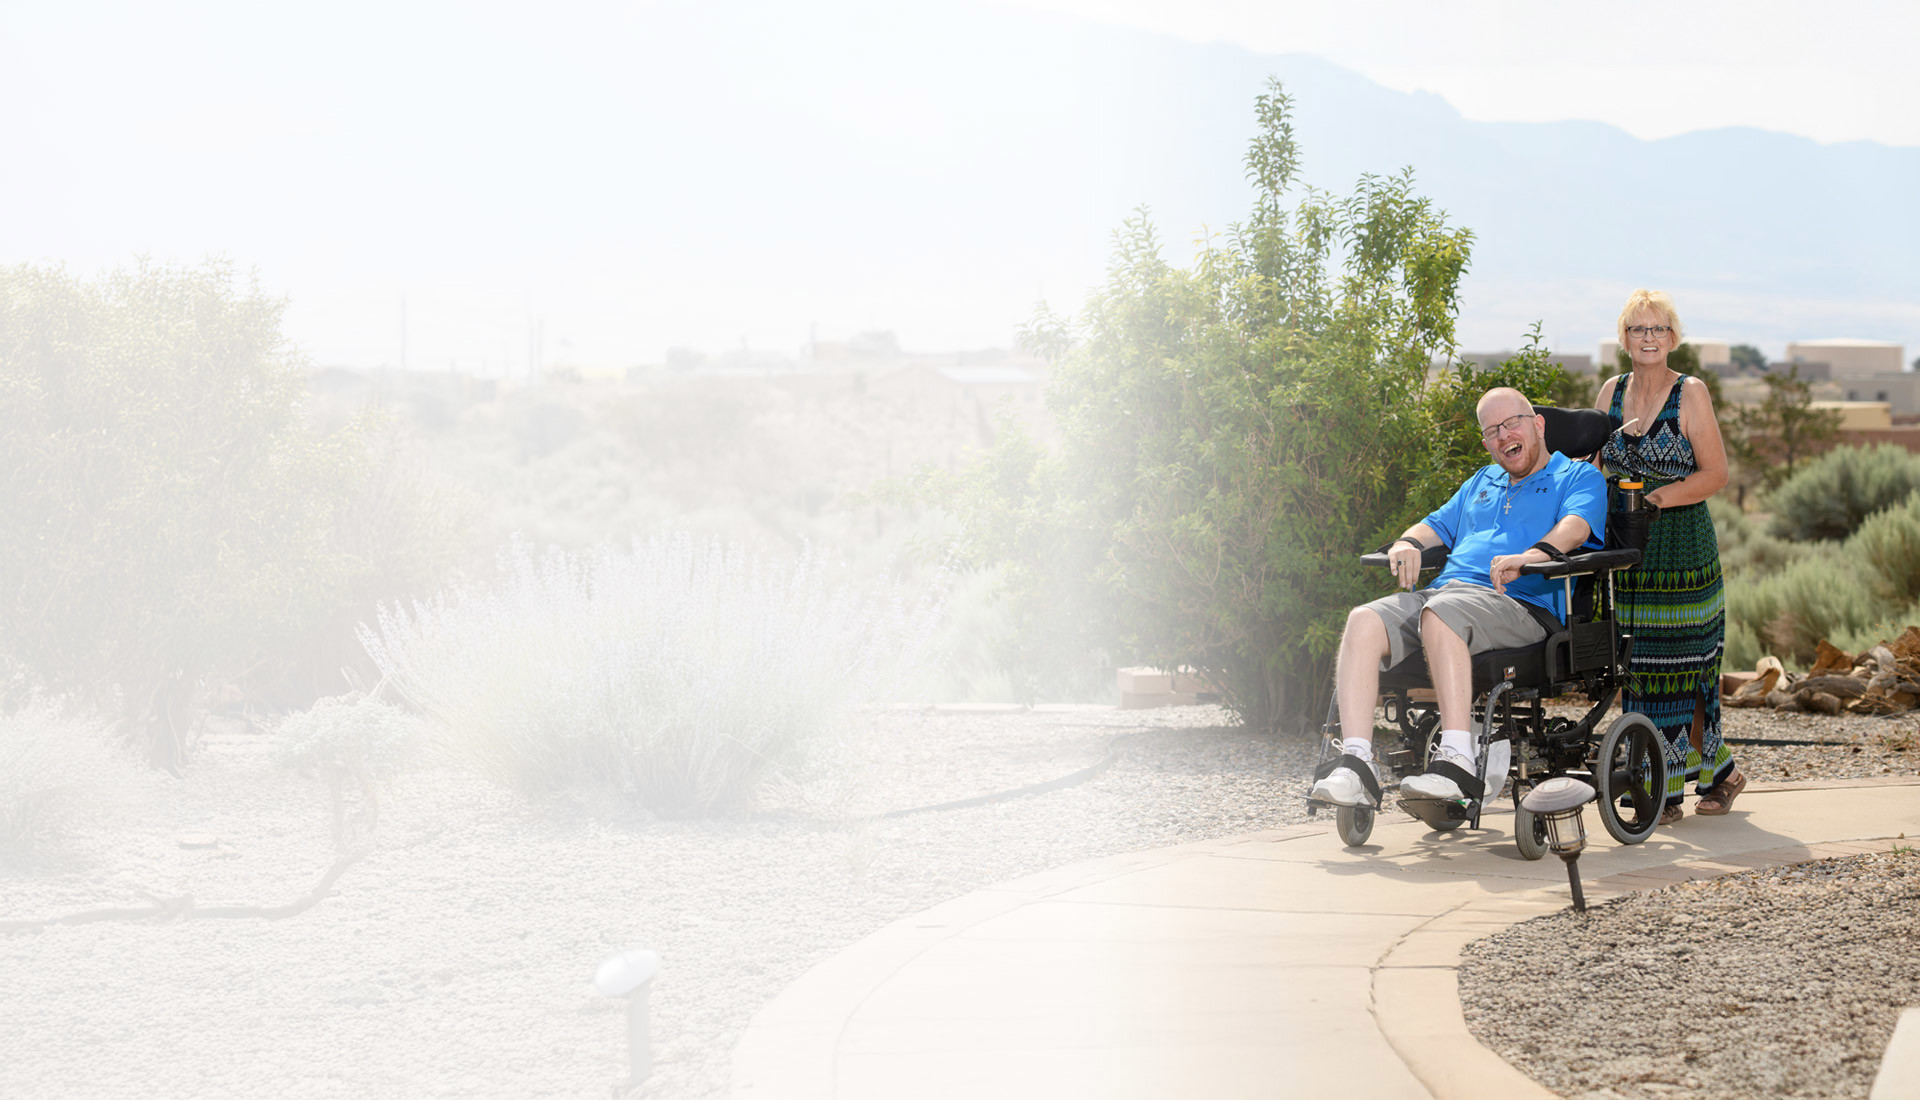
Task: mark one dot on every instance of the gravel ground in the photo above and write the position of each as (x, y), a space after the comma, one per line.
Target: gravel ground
(455, 959)
(1778, 983)
(1792, 978)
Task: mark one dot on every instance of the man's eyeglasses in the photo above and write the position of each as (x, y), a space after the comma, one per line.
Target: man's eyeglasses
(1641, 332)
(1510, 424)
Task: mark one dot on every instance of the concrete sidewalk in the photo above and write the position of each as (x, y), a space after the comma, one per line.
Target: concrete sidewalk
(1270, 964)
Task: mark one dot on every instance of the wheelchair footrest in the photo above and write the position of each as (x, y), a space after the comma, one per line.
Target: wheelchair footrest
(1435, 810)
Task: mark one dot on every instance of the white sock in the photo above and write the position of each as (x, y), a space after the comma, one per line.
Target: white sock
(1459, 741)
(1357, 746)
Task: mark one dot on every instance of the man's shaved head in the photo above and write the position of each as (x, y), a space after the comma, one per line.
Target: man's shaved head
(1503, 400)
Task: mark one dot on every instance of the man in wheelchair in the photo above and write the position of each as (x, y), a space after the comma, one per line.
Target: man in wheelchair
(1530, 505)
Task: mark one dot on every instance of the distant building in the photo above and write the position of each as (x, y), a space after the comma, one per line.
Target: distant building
(1859, 416)
(1847, 358)
(1900, 391)
(1572, 364)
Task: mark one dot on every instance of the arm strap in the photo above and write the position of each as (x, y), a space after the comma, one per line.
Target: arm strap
(1411, 541)
(1550, 550)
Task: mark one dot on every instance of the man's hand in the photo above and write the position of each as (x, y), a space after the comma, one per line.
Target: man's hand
(1404, 560)
(1506, 569)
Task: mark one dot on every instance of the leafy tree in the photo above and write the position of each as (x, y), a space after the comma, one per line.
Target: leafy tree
(163, 510)
(1775, 436)
(1746, 357)
(1232, 434)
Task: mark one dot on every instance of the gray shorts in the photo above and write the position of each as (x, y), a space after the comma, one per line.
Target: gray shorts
(1485, 618)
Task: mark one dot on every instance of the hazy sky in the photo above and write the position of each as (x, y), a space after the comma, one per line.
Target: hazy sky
(610, 179)
(1844, 70)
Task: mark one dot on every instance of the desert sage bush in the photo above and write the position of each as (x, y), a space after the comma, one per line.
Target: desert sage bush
(677, 674)
(1746, 549)
(1784, 597)
(1889, 542)
(54, 769)
(1818, 597)
(1831, 496)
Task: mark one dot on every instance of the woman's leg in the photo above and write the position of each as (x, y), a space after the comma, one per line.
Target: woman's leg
(1720, 781)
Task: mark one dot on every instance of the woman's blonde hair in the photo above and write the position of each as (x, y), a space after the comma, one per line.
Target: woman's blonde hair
(1656, 301)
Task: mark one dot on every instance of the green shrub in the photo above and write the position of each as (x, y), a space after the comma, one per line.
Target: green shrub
(1829, 497)
(166, 513)
(1746, 549)
(1889, 541)
(1819, 596)
(1881, 630)
(1743, 646)
(54, 769)
(352, 739)
(169, 517)
(676, 675)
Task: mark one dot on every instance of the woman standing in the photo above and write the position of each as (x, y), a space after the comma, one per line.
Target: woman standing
(1665, 435)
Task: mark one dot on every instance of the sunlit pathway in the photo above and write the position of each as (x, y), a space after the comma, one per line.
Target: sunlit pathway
(1269, 964)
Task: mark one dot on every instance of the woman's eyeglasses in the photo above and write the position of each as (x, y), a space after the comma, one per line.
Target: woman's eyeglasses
(1641, 332)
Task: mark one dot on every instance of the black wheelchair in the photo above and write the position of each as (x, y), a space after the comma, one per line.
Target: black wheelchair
(1511, 687)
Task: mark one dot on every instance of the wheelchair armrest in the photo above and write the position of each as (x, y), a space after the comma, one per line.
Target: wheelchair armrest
(1433, 557)
(1593, 561)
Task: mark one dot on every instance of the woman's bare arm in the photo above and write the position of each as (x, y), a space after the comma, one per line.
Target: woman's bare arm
(1702, 430)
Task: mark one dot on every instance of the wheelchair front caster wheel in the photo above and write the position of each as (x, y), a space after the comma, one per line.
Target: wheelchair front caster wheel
(1529, 833)
(1356, 825)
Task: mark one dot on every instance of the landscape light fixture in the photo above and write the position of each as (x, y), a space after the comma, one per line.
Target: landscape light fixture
(1559, 803)
(630, 974)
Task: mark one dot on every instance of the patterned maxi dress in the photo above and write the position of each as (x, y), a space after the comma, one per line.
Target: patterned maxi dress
(1672, 602)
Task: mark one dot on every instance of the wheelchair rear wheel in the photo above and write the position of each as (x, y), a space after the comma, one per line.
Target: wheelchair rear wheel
(1631, 768)
(1356, 825)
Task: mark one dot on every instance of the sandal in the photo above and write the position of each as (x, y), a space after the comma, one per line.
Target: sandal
(1672, 814)
(1719, 798)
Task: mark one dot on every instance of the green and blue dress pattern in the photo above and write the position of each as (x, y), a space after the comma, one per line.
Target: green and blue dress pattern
(1673, 602)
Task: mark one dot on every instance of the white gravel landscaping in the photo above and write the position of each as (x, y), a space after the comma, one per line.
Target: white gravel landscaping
(454, 960)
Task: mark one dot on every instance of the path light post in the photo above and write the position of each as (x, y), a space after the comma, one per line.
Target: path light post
(1559, 803)
(630, 974)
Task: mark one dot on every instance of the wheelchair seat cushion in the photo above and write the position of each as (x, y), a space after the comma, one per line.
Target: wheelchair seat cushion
(1529, 665)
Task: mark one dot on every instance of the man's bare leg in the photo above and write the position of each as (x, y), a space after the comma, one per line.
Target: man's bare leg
(1450, 667)
(1357, 675)
(1356, 687)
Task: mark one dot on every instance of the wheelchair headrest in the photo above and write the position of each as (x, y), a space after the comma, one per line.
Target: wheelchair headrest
(1576, 433)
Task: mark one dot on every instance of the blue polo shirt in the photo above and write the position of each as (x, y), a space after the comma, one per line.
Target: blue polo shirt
(1478, 524)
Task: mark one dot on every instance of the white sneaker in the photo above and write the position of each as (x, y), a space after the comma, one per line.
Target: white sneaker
(1429, 785)
(1342, 787)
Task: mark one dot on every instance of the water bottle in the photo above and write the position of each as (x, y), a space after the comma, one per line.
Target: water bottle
(1630, 495)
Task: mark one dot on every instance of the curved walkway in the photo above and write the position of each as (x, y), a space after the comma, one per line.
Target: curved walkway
(1269, 964)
